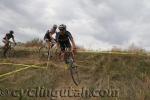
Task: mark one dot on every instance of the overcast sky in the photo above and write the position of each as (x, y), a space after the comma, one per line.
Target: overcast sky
(93, 23)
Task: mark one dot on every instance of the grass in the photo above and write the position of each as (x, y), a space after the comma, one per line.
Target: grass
(128, 73)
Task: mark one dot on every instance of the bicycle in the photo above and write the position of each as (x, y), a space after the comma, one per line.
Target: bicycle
(46, 52)
(9, 51)
(68, 58)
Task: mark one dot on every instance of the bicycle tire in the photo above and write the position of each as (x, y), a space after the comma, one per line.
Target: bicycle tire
(10, 52)
(74, 73)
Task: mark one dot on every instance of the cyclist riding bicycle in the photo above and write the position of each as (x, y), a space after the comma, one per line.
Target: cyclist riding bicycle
(63, 38)
(48, 36)
(6, 41)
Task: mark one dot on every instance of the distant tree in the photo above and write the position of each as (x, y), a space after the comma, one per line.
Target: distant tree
(116, 49)
(135, 49)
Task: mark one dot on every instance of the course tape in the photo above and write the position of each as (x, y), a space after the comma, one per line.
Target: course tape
(18, 70)
(120, 53)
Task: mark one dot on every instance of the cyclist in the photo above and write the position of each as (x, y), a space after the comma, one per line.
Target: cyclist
(6, 41)
(63, 38)
(48, 36)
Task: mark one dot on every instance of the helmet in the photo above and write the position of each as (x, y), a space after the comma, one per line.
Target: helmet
(62, 26)
(54, 26)
(11, 32)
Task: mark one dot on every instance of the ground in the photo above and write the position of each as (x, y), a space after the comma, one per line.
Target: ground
(127, 74)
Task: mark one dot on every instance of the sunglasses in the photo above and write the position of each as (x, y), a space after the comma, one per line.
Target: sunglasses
(61, 29)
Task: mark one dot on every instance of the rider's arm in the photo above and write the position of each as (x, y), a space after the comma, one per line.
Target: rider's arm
(73, 46)
(72, 40)
(73, 43)
(50, 34)
(6, 38)
(13, 39)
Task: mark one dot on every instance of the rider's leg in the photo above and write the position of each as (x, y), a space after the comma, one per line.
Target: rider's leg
(53, 41)
(6, 43)
(62, 53)
(6, 47)
(68, 45)
(52, 45)
(48, 43)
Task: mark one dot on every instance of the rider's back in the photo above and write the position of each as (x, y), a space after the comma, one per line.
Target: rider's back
(8, 36)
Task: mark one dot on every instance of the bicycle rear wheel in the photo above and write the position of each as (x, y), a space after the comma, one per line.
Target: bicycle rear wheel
(10, 52)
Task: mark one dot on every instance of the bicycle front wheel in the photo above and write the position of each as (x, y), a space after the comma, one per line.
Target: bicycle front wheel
(74, 74)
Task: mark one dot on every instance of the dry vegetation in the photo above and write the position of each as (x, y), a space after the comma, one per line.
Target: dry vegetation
(130, 74)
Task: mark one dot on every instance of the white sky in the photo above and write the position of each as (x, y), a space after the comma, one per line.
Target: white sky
(95, 24)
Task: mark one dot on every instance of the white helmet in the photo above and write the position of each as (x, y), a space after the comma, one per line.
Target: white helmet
(62, 26)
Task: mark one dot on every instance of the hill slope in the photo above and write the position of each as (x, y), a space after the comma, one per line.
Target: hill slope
(128, 74)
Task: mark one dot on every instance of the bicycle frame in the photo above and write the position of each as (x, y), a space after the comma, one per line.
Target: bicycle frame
(8, 49)
(47, 50)
(11, 44)
(52, 43)
(68, 56)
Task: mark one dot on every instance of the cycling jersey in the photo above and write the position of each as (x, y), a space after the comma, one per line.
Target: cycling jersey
(47, 35)
(64, 40)
(63, 37)
(8, 36)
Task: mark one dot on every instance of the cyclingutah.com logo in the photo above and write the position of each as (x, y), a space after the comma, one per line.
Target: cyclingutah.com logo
(58, 93)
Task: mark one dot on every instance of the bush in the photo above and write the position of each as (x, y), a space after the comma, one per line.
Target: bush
(34, 43)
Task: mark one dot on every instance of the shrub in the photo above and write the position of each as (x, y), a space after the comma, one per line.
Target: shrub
(34, 43)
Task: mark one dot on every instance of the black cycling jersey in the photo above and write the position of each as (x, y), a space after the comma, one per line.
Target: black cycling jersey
(47, 35)
(63, 37)
(64, 40)
(8, 36)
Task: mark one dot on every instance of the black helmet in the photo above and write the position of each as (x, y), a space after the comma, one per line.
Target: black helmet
(11, 32)
(62, 27)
